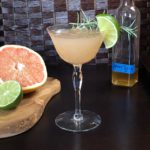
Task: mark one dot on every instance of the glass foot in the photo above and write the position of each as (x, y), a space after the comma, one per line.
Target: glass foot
(89, 121)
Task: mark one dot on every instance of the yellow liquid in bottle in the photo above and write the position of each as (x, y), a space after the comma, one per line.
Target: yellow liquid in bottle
(122, 79)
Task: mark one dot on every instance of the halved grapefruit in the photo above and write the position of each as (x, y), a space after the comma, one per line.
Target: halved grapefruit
(23, 65)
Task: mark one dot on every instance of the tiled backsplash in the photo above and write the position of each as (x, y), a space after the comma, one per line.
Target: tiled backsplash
(25, 21)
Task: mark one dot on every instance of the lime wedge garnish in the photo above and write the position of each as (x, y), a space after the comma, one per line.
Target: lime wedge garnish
(10, 94)
(110, 27)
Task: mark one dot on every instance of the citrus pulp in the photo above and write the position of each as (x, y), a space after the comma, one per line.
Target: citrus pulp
(10, 94)
(110, 27)
(23, 65)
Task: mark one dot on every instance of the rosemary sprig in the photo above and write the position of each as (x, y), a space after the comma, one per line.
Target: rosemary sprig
(85, 23)
(130, 30)
(90, 24)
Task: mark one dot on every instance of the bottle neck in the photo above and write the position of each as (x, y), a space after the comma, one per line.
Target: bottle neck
(127, 2)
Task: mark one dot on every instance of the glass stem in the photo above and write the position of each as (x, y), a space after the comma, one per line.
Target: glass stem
(77, 84)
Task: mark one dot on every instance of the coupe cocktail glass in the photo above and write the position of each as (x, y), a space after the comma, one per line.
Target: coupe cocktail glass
(77, 47)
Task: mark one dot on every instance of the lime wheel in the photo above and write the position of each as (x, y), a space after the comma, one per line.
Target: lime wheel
(110, 27)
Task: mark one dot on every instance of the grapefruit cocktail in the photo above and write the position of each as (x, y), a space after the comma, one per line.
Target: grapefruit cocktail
(78, 43)
(76, 47)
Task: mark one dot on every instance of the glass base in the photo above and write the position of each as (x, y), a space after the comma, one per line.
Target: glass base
(89, 121)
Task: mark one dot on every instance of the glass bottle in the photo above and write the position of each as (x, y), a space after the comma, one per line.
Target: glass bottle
(125, 54)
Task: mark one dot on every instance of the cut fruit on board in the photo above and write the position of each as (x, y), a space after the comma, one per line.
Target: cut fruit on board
(23, 65)
(29, 111)
(10, 94)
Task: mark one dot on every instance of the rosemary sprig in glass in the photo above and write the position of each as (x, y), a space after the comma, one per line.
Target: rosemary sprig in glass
(85, 23)
(90, 24)
(129, 30)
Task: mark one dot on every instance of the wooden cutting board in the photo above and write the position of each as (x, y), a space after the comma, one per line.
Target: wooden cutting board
(29, 111)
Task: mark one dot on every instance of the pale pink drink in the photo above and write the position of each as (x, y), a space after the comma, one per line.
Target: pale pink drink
(76, 46)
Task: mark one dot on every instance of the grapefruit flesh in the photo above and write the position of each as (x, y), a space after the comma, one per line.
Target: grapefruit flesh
(23, 65)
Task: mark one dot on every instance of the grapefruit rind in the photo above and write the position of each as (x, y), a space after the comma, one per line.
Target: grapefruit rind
(35, 86)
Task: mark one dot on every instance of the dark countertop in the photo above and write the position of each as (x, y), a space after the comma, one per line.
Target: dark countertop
(125, 115)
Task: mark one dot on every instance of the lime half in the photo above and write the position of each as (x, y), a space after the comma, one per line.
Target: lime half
(110, 27)
(10, 94)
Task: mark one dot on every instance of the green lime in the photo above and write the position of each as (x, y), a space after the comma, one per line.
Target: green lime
(110, 27)
(10, 94)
